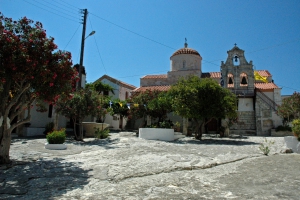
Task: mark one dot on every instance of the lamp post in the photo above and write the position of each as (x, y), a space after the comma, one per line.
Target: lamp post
(81, 55)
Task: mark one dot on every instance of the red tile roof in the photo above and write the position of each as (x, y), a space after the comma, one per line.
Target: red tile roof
(152, 88)
(264, 73)
(155, 76)
(185, 51)
(211, 75)
(265, 86)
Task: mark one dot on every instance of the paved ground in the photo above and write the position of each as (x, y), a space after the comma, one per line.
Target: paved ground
(126, 167)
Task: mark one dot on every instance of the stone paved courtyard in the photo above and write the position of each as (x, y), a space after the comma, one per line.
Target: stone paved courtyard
(126, 167)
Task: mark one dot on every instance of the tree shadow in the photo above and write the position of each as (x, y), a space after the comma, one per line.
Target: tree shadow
(218, 141)
(107, 143)
(43, 179)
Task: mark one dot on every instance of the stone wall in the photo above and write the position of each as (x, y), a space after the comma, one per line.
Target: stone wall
(246, 121)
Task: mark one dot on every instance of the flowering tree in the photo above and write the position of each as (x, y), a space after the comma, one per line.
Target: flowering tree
(80, 104)
(202, 100)
(290, 107)
(30, 68)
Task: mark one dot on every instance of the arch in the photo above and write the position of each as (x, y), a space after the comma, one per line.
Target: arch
(236, 60)
(230, 80)
(244, 79)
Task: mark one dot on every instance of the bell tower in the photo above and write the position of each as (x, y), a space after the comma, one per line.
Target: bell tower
(237, 74)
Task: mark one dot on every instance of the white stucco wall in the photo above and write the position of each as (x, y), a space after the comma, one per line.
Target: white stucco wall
(245, 104)
(191, 62)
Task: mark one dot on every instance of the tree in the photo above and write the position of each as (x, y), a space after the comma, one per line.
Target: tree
(201, 100)
(149, 103)
(31, 68)
(290, 107)
(77, 106)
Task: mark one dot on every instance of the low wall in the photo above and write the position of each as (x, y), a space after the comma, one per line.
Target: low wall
(163, 134)
(32, 131)
(281, 133)
(89, 127)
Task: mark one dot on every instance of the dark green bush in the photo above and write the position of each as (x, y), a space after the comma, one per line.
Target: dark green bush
(283, 128)
(56, 137)
(101, 134)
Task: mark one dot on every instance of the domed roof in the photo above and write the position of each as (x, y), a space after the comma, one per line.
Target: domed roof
(185, 50)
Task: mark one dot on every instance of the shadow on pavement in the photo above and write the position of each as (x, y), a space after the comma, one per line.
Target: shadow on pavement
(43, 179)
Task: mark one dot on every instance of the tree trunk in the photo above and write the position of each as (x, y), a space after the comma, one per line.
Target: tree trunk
(5, 145)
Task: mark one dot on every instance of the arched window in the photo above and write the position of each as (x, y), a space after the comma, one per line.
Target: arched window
(230, 80)
(236, 60)
(184, 64)
(244, 79)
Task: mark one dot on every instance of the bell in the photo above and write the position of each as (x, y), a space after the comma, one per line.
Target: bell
(244, 81)
(235, 59)
(230, 81)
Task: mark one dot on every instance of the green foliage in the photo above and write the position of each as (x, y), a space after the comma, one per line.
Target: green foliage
(102, 87)
(296, 128)
(152, 103)
(101, 134)
(283, 128)
(80, 104)
(56, 137)
(49, 128)
(202, 100)
(265, 146)
(290, 107)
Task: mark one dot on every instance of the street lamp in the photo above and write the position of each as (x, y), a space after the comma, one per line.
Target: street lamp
(81, 55)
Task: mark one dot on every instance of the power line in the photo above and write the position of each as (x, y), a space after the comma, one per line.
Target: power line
(72, 36)
(63, 8)
(51, 11)
(133, 32)
(59, 2)
(69, 4)
(98, 47)
(54, 8)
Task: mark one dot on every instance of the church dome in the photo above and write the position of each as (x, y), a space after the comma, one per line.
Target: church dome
(185, 50)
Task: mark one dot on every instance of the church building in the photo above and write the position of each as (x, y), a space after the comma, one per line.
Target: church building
(258, 95)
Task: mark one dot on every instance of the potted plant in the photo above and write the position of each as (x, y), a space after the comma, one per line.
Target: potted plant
(56, 140)
(293, 142)
(296, 128)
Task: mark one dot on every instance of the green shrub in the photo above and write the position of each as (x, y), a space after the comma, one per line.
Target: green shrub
(56, 137)
(283, 128)
(265, 146)
(49, 128)
(101, 134)
(296, 128)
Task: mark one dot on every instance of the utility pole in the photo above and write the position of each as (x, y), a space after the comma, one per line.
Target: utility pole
(85, 12)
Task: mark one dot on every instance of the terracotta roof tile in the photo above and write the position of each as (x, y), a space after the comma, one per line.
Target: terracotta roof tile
(211, 75)
(264, 73)
(265, 86)
(185, 51)
(155, 76)
(152, 88)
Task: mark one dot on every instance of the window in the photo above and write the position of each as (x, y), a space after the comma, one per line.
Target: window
(184, 64)
(126, 95)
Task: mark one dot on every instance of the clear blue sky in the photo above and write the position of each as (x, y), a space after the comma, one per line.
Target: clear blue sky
(137, 37)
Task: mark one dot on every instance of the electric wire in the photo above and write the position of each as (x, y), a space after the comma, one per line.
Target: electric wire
(63, 8)
(69, 4)
(133, 32)
(53, 8)
(98, 48)
(50, 11)
(72, 36)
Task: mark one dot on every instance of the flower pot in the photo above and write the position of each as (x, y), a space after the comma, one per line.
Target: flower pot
(292, 143)
(55, 146)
